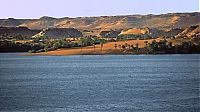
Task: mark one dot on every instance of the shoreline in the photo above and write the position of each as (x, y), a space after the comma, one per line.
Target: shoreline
(107, 49)
(69, 52)
(95, 53)
(33, 54)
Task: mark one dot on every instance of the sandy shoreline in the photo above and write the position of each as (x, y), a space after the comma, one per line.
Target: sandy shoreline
(78, 51)
(107, 49)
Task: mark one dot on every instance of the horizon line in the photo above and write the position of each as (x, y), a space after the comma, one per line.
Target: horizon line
(187, 12)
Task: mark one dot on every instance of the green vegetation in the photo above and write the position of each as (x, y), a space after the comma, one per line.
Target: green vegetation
(43, 44)
(162, 47)
(10, 46)
(132, 36)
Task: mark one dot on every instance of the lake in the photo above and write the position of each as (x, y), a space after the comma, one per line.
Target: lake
(100, 83)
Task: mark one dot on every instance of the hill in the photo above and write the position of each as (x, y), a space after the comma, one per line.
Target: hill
(190, 32)
(17, 31)
(161, 22)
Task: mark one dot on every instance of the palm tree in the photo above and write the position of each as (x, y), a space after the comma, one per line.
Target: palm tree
(81, 46)
(94, 46)
(101, 46)
(115, 46)
(129, 47)
(146, 46)
(82, 43)
(126, 44)
(137, 48)
(153, 46)
(146, 43)
(137, 45)
(119, 46)
(123, 47)
(132, 46)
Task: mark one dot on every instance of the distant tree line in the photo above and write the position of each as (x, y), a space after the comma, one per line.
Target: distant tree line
(133, 36)
(161, 47)
(9, 46)
(186, 47)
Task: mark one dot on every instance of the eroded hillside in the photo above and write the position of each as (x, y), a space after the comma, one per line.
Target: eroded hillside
(163, 21)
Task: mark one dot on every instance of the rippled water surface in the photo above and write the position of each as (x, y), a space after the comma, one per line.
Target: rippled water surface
(122, 83)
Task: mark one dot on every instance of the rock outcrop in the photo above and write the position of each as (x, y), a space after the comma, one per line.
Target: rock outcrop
(190, 32)
(135, 31)
(17, 31)
(59, 33)
(110, 33)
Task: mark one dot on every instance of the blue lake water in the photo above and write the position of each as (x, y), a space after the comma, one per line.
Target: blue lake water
(95, 83)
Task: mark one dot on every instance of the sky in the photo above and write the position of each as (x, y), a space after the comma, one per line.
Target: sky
(80, 8)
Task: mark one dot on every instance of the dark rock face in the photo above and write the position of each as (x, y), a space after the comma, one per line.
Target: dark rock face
(16, 31)
(171, 33)
(10, 22)
(61, 32)
(110, 34)
(49, 32)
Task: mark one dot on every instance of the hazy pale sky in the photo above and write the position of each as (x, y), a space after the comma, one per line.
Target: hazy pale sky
(77, 8)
